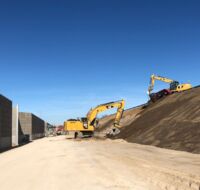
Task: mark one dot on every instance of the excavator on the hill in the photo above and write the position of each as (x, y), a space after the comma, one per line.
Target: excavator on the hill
(175, 86)
(84, 127)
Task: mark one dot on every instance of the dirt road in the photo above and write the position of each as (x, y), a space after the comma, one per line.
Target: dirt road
(59, 164)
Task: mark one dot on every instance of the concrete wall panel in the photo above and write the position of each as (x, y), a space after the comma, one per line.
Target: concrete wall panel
(5, 122)
(30, 126)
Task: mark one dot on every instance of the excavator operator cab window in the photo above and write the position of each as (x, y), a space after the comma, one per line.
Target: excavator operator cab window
(174, 85)
(85, 122)
(84, 119)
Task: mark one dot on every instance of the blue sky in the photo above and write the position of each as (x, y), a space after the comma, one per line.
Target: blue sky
(60, 58)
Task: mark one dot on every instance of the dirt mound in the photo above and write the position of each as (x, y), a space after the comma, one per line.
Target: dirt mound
(128, 117)
(172, 122)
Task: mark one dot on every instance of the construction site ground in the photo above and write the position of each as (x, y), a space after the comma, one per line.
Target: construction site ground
(57, 163)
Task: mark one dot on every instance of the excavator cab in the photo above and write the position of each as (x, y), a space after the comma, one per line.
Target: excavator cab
(174, 85)
(85, 122)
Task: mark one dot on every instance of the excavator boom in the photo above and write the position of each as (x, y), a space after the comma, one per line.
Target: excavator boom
(154, 78)
(92, 114)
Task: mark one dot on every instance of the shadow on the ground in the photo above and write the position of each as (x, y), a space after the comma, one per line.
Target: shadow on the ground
(12, 148)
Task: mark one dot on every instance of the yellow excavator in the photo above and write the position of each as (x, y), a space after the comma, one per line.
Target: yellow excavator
(175, 86)
(84, 127)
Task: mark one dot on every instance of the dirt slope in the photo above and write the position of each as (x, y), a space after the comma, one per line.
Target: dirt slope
(128, 117)
(173, 122)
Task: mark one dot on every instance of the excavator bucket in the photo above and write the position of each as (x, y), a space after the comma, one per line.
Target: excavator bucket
(112, 132)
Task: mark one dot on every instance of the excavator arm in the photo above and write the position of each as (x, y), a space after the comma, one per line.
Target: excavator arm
(92, 114)
(152, 82)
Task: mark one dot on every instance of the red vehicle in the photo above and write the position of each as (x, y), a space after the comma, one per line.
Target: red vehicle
(59, 130)
(156, 96)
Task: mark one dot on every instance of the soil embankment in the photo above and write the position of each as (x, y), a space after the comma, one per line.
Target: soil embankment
(172, 122)
(128, 117)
